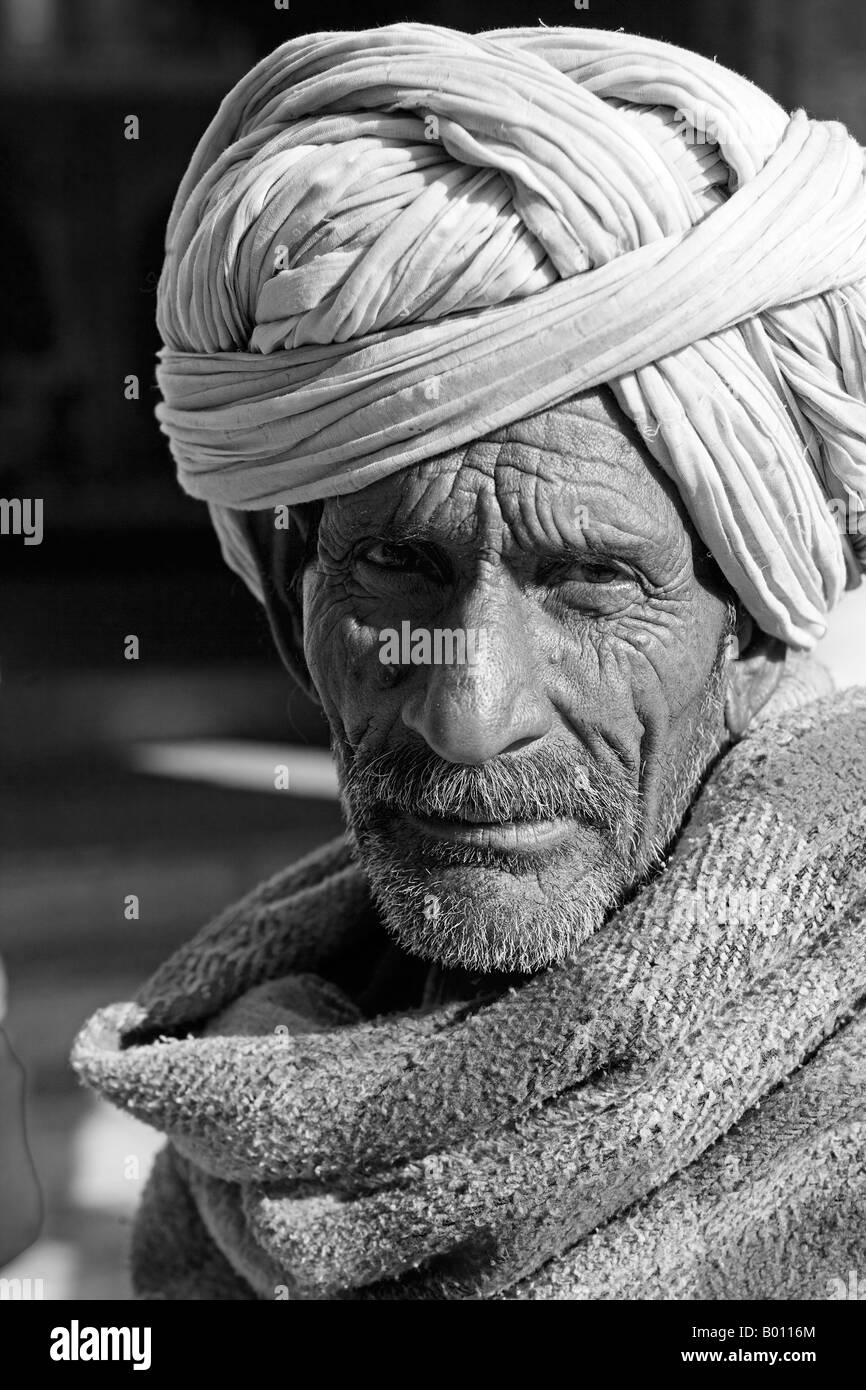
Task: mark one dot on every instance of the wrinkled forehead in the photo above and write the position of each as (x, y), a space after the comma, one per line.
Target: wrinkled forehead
(576, 468)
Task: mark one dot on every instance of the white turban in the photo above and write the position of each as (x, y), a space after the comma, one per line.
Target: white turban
(394, 241)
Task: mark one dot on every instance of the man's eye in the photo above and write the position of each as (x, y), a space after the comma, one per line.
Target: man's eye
(391, 556)
(592, 572)
(595, 586)
(599, 574)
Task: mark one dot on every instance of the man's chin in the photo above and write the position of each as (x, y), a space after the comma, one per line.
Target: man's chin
(490, 913)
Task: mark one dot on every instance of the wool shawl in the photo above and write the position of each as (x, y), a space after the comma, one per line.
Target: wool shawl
(677, 1113)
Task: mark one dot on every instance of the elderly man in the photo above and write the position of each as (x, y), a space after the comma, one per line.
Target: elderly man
(552, 338)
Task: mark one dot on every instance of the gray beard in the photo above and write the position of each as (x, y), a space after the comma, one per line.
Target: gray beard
(524, 913)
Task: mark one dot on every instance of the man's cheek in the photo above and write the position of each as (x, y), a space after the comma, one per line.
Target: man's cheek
(600, 686)
(343, 657)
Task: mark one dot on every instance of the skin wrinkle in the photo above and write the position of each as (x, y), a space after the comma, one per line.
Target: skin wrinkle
(605, 700)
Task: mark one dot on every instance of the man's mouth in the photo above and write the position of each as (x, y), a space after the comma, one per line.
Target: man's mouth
(518, 836)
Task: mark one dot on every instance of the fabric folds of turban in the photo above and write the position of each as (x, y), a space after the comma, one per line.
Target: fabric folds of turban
(391, 242)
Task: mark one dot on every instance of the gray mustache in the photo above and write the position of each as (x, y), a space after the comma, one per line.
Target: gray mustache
(548, 785)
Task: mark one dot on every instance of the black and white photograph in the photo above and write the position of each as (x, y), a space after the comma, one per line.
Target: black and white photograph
(433, 667)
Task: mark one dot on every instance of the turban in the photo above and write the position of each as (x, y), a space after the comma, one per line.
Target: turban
(391, 242)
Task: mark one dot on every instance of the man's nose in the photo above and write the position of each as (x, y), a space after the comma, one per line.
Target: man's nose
(472, 712)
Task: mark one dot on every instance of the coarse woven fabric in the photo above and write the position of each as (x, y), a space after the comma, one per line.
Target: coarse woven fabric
(677, 1114)
(393, 241)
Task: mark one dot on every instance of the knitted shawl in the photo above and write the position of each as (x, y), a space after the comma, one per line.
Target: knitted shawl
(677, 1114)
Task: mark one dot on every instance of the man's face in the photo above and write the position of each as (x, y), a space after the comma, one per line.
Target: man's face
(503, 807)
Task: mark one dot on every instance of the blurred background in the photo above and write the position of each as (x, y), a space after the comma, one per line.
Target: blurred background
(155, 777)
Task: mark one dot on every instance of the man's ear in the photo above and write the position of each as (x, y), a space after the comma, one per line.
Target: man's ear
(277, 555)
(754, 671)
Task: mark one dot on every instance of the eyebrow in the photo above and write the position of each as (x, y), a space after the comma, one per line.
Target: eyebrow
(576, 554)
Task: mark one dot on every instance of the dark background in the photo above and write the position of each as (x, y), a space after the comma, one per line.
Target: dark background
(125, 552)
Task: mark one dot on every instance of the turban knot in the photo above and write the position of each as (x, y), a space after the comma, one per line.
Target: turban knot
(391, 242)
